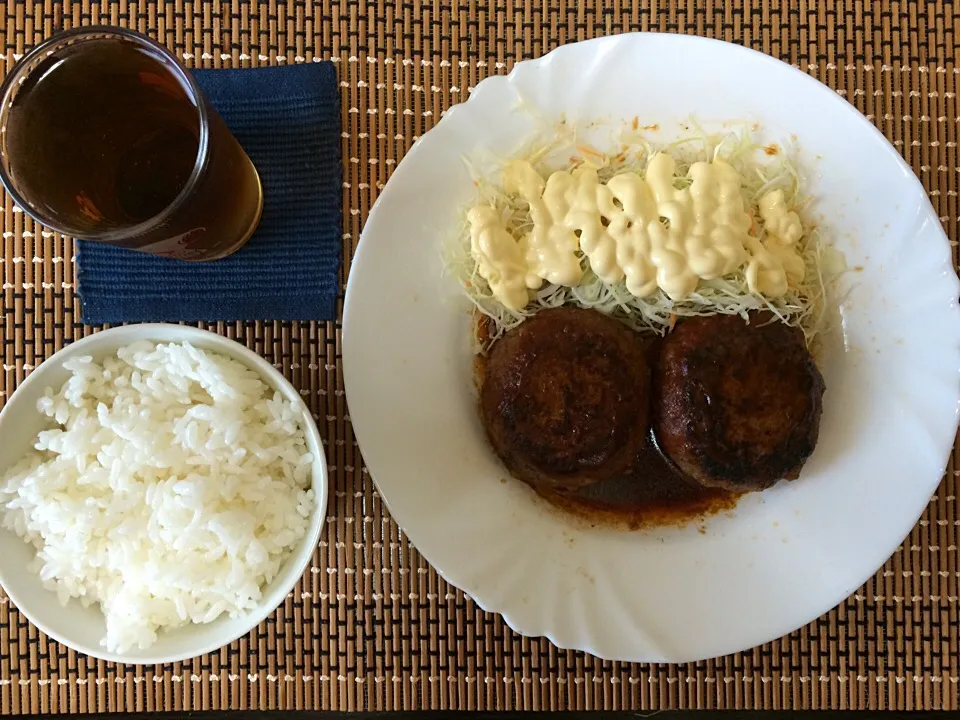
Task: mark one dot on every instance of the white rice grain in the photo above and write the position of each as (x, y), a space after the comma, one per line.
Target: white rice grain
(170, 490)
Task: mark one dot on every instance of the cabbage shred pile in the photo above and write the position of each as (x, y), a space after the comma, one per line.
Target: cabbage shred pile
(763, 169)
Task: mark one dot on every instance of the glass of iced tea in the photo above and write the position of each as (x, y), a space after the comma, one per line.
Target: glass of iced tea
(104, 136)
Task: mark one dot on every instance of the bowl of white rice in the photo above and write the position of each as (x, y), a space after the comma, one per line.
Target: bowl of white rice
(162, 490)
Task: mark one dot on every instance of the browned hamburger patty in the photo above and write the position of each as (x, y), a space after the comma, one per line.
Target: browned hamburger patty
(565, 398)
(737, 406)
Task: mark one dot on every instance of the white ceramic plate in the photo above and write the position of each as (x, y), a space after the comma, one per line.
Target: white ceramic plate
(82, 628)
(784, 556)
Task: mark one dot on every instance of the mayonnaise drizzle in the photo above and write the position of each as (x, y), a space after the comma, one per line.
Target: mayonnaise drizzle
(550, 248)
(499, 257)
(644, 231)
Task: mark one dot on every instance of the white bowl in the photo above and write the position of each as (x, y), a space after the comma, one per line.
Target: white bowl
(83, 628)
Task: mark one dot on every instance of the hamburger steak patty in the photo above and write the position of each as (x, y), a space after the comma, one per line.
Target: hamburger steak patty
(737, 406)
(565, 398)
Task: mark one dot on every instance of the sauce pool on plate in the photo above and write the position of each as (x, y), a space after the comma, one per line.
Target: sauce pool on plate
(654, 493)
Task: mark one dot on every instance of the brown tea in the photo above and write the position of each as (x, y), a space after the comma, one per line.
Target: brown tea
(105, 140)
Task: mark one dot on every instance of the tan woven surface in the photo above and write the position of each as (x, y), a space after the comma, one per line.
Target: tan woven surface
(371, 626)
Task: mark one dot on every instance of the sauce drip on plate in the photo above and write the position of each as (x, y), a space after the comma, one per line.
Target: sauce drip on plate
(653, 493)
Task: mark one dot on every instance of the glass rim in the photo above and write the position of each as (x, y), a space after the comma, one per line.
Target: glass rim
(189, 84)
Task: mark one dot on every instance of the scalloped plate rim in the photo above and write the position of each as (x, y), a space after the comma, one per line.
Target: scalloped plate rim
(482, 89)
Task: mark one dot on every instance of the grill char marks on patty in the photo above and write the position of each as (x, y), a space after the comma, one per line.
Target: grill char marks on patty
(565, 398)
(737, 405)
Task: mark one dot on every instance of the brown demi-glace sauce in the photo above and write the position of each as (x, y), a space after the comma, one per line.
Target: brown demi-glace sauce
(654, 493)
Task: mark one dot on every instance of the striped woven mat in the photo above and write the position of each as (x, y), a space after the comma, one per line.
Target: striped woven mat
(371, 625)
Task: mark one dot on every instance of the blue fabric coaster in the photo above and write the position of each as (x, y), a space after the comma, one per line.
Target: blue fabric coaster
(288, 121)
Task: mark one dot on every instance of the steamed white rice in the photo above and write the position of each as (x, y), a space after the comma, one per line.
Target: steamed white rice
(170, 491)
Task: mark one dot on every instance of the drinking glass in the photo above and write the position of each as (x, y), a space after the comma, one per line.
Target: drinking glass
(104, 136)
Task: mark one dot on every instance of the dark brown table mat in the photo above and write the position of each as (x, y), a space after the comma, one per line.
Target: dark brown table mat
(371, 625)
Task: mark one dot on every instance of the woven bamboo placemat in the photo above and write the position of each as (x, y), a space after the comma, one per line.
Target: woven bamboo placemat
(371, 625)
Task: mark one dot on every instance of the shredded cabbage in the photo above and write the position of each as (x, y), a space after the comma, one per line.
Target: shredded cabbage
(763, 169)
